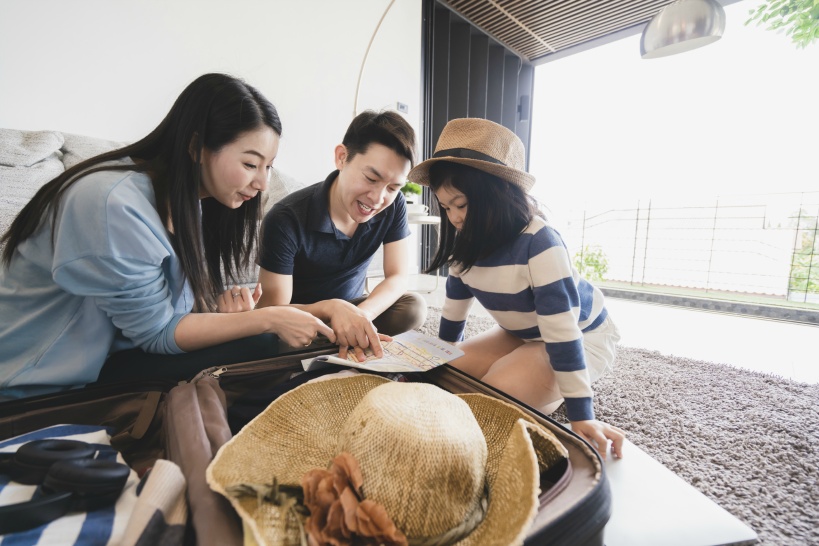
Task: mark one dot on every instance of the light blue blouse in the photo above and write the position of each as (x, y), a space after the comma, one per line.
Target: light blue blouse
(111, 281)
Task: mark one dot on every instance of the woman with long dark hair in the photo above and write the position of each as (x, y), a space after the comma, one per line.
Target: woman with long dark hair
(128, 253)
(553, 336)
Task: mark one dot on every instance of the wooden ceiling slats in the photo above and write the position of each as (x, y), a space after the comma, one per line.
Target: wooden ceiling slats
(555, 24)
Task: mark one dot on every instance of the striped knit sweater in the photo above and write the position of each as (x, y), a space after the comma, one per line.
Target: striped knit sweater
(533, 292)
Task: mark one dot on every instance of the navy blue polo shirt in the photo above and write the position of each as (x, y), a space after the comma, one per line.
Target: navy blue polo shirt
(300, 239)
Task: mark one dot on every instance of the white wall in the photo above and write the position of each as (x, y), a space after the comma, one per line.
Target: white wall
(112, 69)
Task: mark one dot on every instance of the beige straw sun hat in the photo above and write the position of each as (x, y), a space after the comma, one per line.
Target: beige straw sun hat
(480, 144)
(409, 463)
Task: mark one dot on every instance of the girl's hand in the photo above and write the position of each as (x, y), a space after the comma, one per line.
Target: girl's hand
(598, 433)
(236, 299)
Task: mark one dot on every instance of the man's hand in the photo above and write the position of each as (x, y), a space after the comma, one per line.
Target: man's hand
(354, 328)
(598, 433)
(236, 299)
(360, 354)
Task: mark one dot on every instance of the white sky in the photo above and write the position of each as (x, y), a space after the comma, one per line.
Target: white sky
(740, 116)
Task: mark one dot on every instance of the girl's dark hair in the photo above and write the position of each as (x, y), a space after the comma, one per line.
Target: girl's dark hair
(213, 111)
(386, 128)
(496, 213)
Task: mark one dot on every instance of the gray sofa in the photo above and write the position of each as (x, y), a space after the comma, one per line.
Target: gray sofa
(29, 159)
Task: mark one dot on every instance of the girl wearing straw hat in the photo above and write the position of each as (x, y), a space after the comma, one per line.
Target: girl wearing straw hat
(553, 336)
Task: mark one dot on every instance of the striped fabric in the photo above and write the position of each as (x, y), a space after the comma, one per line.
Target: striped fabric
(533, 292)
(100, 527)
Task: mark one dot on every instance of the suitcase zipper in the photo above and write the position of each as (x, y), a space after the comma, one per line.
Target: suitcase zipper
(279, 363)
(214, 372)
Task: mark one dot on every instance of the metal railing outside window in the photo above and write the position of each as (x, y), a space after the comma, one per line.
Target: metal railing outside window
(752, 244)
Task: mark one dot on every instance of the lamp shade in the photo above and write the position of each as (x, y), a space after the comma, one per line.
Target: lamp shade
(682, 26)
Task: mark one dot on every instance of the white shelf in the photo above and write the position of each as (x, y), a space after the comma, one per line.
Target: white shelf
(423, 219)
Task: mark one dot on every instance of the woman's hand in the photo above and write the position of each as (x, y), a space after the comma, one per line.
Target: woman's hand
(295, 327)
(598, 433)
(236, 299)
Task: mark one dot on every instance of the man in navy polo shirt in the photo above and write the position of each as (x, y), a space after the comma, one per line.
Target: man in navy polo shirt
(318, 242)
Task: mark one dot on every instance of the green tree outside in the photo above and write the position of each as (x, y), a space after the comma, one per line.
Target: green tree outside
(799, 19)
(411, 188)
(804, 276)
(592, 263)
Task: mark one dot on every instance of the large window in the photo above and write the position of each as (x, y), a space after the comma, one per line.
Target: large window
(691, 172)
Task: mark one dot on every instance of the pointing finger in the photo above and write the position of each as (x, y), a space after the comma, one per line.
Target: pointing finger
(326, 331)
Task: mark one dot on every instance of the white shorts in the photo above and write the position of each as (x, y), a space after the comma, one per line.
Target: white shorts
(600, 348)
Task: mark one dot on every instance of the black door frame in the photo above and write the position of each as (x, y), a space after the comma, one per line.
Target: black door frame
(493, 83)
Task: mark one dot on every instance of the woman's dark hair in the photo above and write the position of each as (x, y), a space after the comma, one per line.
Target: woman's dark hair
(213, 111)
(496, 213)
(386, 128)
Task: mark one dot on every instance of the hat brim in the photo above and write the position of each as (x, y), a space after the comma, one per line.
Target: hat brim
(298, 432)
(420, 173)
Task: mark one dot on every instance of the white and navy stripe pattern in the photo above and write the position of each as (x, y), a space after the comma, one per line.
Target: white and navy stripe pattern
(100, 527)
(533, 292)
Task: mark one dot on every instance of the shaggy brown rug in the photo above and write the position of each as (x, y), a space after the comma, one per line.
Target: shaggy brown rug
(746, 440)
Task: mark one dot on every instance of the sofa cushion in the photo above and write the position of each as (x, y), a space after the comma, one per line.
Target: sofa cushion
(281, 185)
(26, 148)
(19, 184)
(28, 159)
(79, 148)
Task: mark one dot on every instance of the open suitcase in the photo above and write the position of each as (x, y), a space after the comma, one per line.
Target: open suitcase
(186, 422)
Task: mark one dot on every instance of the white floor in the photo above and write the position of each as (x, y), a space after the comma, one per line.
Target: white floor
(782, 348)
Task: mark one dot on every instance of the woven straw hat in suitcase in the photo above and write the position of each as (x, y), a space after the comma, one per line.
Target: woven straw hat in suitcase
(363, 460)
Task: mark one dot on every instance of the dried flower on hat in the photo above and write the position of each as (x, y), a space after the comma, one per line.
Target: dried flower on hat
(339, 515)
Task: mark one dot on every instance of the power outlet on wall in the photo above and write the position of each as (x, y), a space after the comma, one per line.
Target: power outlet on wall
(403, 108)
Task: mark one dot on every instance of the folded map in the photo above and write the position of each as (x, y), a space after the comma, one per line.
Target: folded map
(408, 352)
